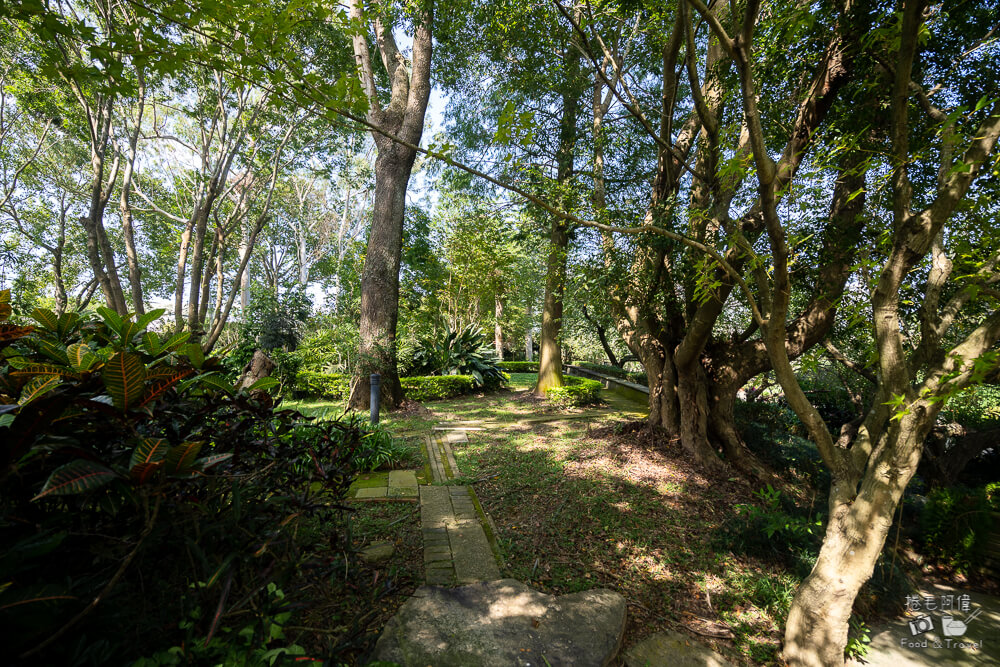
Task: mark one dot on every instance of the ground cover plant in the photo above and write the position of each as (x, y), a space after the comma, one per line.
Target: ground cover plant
(141, 491)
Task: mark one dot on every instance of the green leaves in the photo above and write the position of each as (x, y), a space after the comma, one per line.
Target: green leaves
(81, 357)
(77, 476)
(124, 376)
(181, 459)
(38, 387)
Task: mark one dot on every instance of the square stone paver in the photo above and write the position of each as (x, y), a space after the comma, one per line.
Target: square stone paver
(403, 479)
(376, 492)
(403, 492)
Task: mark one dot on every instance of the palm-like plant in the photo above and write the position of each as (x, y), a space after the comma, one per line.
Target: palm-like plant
(464, 352)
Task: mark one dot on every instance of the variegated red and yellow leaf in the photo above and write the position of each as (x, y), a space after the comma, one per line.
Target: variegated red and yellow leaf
(149, 450)
(161, 383)
(46, 318)
(11, 332)
(124, 376)
(81, 357)
(38, 387)
(206, 462)
(37, 370)
(180, 458)
(77, 476)
(143, 471)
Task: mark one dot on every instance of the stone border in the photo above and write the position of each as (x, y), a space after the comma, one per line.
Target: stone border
(442, 459)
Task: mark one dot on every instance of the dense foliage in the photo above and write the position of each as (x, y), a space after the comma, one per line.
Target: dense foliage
(459, 353)
(139, 488)
(576, 392)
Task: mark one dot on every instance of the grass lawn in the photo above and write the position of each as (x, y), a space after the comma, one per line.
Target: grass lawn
(586, 498)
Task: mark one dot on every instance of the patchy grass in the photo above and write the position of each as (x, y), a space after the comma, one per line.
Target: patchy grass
(349, 608)
(591, 498)
(582, 503)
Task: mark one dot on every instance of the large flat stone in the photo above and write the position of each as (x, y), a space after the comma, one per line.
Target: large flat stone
(503, 623)
(672, 649)
(403, 479)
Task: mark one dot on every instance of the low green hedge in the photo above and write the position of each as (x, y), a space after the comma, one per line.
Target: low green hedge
(576, 392)
(436, 387)
(333, 386)
(322, 385)
(519, 366)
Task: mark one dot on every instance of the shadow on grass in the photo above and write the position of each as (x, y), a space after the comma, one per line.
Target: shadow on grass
(577, 508)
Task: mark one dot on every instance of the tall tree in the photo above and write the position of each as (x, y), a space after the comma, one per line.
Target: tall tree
(403, 117)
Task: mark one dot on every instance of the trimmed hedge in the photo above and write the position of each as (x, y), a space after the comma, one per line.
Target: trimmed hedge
(576, 392)
(436, 387)
(322, 385)
(519, 366)
(334, 386)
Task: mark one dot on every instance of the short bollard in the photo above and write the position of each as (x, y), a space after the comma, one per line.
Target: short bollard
(376, 398)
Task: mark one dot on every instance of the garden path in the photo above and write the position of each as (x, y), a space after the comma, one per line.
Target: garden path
(894, 644)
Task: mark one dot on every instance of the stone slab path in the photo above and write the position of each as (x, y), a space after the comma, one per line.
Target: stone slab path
(398, 485)
(456, 549)
(442, 460)
(504, 624)
(467, 615)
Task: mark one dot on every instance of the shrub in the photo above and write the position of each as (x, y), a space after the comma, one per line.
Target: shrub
(436, 387)
(376, 448)
(519, 366)
(576, 392)
(331, 386)
(326, 350)
(978, 407)
(955, 525)
(137, 483)
(460, 353)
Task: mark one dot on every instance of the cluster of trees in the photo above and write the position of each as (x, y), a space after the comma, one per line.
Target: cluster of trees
(724, 185)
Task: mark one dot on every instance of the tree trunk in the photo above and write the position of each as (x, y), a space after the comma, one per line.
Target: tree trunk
(529, 344)
(380, 280)
(549, 349)
(260, 367)
(182, 255)
(497, 326)
(816, 630)
(602, 335)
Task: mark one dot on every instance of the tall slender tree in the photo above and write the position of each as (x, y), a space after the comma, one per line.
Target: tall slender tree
(403, 117)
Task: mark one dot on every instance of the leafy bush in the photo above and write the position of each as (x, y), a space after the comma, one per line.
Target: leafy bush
(376, 448)
(774, 433)
(462, 352)
(776, 527)
(325, 351)
(519, 366)
(130, 467)
(331, 386)
(955, 525)
(273, 323)
(437, 387)
(978, 407)
(576, 392)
